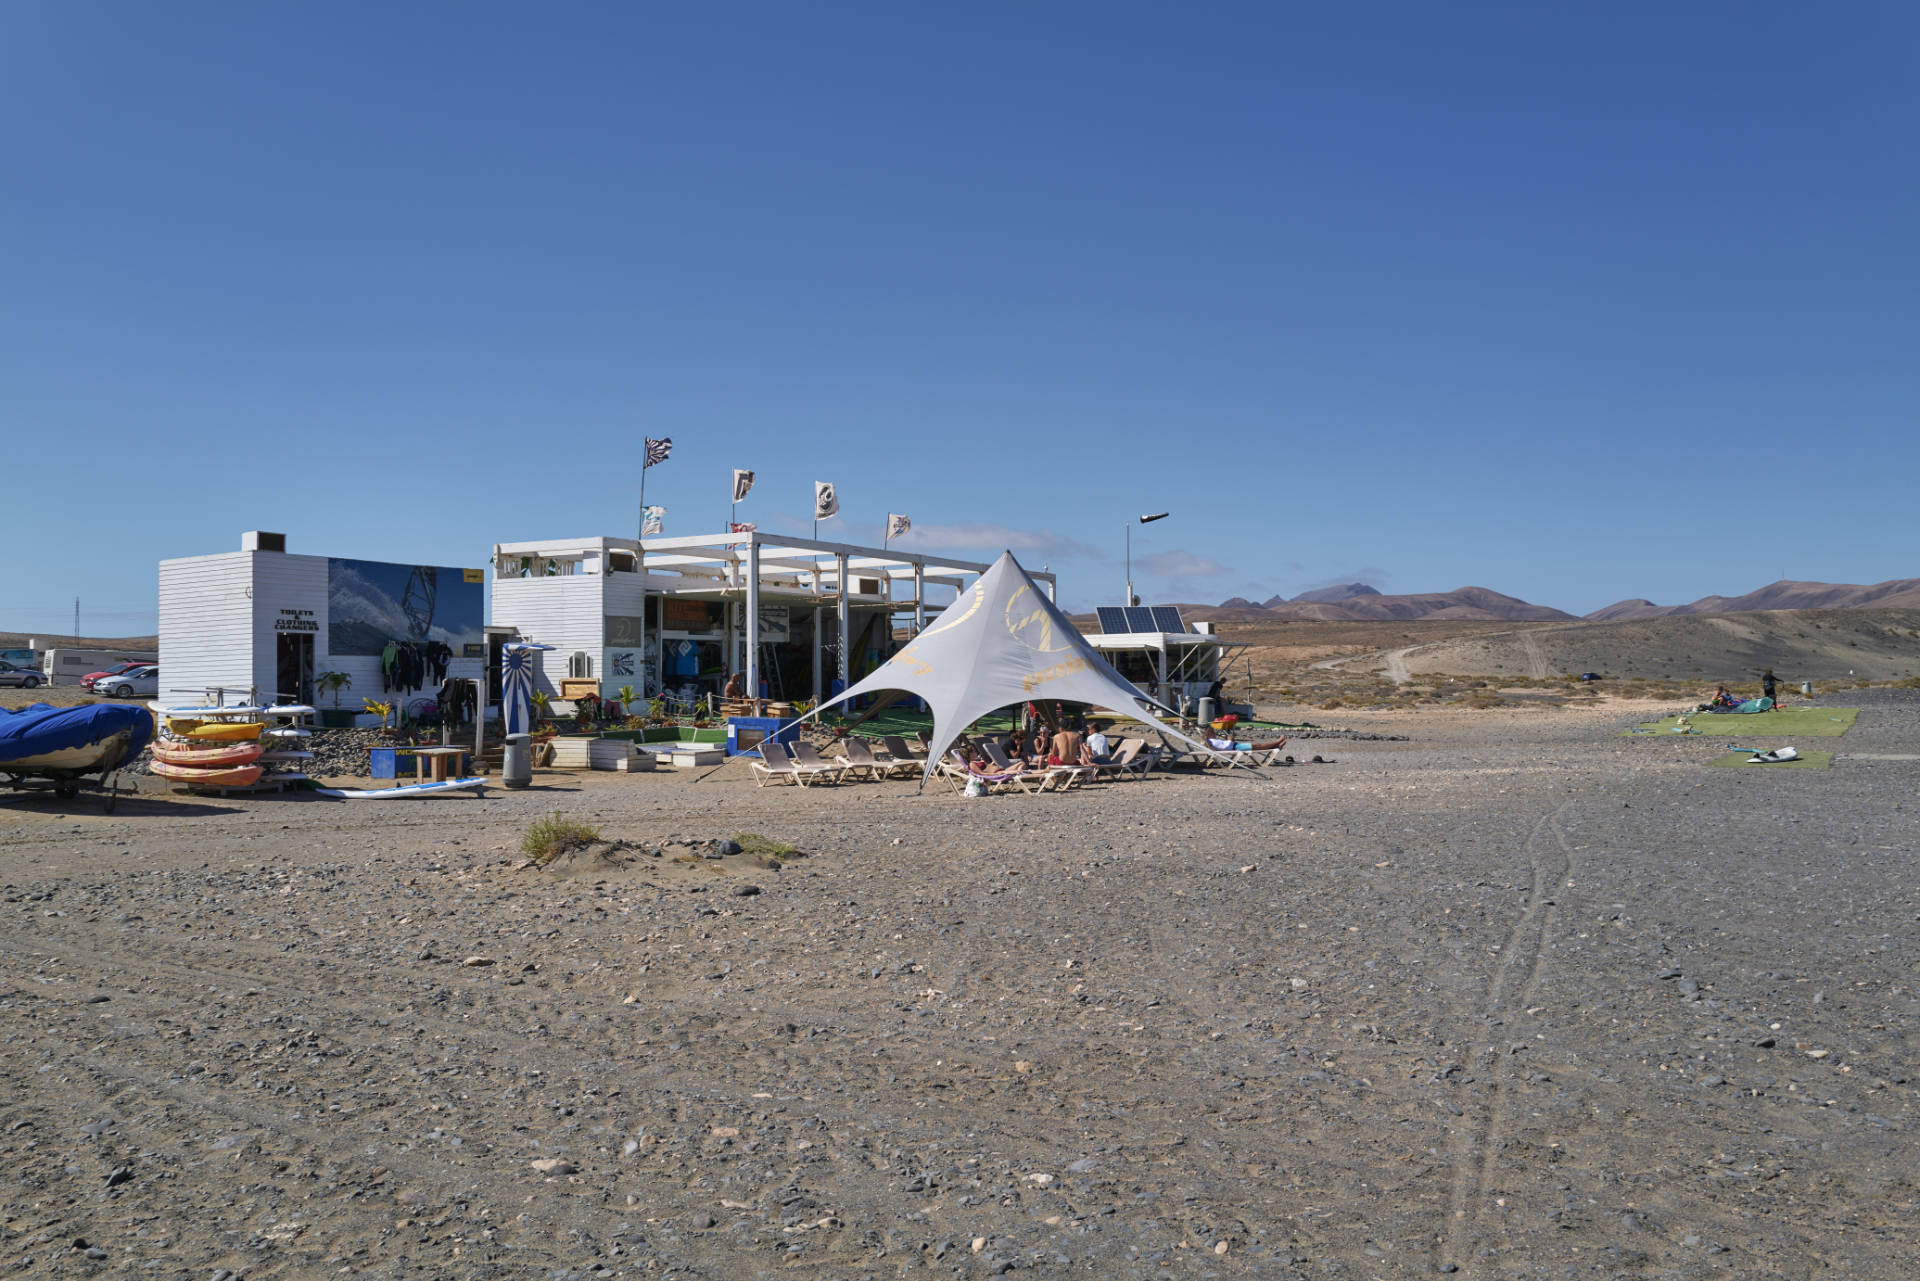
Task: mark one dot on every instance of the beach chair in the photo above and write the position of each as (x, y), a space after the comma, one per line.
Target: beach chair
(811, 766)
(1059, 777)
(953, 768)
(773, 766)
(1143, 763)
(857, 754)
(893, 763)
(901, 750)
(1116, 765)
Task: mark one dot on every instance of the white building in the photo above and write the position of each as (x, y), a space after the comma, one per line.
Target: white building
(263, 622)
(1178, 662)
(675, 614)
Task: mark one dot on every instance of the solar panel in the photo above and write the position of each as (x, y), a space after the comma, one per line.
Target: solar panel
(1140, 619)
(1168, 619)
(1112, 619)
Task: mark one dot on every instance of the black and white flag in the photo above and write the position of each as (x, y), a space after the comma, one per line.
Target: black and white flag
(657, 451)
(742, 482)
(825, 502)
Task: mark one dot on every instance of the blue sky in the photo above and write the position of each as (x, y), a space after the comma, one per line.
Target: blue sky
(1576, 303)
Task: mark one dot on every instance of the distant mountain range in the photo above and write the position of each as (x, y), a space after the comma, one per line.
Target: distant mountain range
(1357, 602)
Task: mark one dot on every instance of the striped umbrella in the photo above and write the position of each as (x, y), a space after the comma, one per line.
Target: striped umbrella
(516, 684)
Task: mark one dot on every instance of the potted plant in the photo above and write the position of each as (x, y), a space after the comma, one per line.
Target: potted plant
(540, 701)
(626, 696)
(382, 710)
(335, 717)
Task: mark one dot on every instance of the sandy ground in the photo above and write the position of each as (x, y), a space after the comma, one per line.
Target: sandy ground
(1513, 998)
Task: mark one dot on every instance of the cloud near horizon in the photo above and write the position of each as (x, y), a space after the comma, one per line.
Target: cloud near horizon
(995, 538)
(1182, 564)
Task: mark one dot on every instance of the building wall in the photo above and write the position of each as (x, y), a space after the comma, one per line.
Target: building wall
(566, 613)
(220, 620)
(206, 625)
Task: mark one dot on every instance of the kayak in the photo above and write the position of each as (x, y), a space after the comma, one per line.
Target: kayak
(185, 753)
(238, 776)
(215, 731)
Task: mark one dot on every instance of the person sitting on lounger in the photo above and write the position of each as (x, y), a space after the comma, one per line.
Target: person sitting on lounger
(1068, 746)
(1098, 751)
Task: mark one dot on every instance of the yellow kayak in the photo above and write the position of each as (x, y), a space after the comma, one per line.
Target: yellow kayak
(215, 731)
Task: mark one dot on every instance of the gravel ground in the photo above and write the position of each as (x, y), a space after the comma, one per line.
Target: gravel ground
(1513, 998)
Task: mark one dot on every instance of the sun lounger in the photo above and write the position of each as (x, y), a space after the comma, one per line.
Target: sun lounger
(1116, 765)
(811, 765)
(901, 750)
(857, 754)
(954, 769)
(774, 765)
(892, 763)
(1055, 777)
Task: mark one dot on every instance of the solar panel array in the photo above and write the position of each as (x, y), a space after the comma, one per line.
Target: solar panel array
(1118, 619)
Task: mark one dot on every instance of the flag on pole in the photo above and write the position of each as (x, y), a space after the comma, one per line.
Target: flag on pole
(742, 482)
(825, 502)
(654, 522)
(896, 526)
(741, 527)
(657, 451)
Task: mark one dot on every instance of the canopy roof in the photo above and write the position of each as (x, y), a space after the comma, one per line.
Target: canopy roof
(1001, 644)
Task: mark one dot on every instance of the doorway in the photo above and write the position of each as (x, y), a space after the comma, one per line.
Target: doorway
(293, 674)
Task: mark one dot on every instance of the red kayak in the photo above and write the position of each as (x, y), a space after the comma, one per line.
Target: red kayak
(239, 777)
(214, 756)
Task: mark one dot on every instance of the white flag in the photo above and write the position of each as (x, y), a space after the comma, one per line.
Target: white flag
(825, 502)
(896, 526)
(655, 521)
(742, 482)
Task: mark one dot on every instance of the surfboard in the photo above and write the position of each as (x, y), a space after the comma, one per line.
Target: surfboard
(473, 785)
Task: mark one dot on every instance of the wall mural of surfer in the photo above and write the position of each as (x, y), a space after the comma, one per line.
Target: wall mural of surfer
(370, 602)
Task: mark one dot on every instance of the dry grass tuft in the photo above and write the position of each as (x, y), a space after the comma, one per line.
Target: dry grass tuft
(554, 836)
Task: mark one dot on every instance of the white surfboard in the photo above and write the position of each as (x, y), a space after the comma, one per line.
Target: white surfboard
(473, 785)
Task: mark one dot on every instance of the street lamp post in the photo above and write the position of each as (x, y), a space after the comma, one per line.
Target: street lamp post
(1129, 528)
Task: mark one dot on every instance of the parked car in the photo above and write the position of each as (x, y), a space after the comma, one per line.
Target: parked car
(87, 681)
(141, 680)
(24, 677)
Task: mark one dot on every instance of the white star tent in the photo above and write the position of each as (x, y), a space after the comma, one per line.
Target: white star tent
(1001, 644)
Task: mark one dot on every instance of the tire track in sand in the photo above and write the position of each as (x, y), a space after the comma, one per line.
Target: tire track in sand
(1515, 980)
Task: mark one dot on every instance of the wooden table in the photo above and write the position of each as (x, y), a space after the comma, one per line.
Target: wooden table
(436, 757)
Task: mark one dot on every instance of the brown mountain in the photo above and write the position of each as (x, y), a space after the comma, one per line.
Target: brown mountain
(1896, 593)
(1464, 603)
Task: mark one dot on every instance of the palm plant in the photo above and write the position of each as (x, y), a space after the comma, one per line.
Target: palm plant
(333, 682)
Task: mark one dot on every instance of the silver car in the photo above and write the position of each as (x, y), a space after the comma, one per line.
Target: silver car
(24, 677)
(128, 684)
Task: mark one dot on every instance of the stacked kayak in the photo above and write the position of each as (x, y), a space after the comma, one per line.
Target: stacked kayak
(217, 748)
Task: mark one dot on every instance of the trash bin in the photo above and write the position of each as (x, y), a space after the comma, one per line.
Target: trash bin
(516, 765)
(1206, 711)
(1806, 687)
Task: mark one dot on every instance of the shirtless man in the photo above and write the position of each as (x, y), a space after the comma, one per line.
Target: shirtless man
(1069, 747)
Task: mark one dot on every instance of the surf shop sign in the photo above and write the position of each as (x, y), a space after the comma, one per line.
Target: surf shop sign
(296, 620)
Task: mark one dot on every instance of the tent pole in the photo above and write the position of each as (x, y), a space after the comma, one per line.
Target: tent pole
(919, 598)
(819, 621)
(753, 622)
(840, 565)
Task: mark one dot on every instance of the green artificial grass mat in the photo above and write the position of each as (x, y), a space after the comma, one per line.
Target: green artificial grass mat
(1780, 723)
(1808, 760)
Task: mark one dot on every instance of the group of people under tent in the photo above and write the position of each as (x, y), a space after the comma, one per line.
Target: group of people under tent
(1724, 700)
(1074, 743)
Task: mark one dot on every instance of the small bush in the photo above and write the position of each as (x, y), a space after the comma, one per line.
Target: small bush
(766, 846)
(551, 837)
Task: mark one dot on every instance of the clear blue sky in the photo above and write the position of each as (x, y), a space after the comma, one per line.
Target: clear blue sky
(1426, 294)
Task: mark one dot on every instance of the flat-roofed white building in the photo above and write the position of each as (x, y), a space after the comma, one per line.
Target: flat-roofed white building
(674, 614)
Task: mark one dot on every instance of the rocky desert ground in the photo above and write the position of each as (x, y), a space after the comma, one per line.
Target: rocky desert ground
(1511, 998)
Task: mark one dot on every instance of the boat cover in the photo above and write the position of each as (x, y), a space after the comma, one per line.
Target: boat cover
(42, 728)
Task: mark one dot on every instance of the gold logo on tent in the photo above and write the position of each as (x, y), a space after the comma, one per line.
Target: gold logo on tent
(1031, 624)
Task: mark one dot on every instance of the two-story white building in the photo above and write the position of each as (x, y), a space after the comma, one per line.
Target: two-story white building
(674, 614)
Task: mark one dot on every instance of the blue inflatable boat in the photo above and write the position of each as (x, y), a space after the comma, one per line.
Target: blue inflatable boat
(65, 745)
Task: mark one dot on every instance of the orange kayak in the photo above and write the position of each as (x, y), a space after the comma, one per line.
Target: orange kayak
(215, 731)
(239, 776)
(188, 753)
